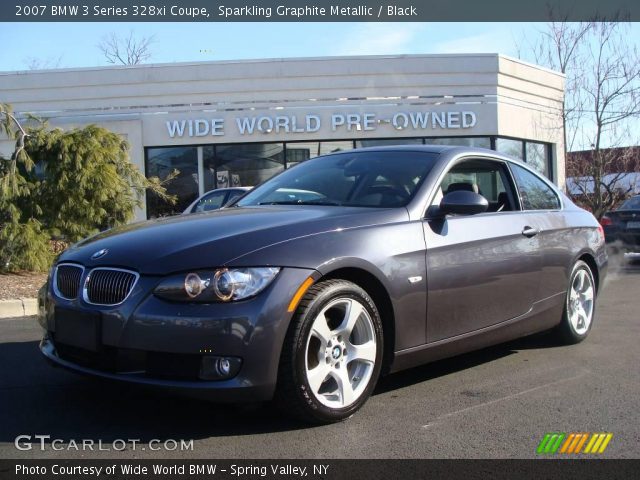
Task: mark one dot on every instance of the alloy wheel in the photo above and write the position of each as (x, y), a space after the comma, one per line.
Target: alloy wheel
(580, 302)
(340, 353)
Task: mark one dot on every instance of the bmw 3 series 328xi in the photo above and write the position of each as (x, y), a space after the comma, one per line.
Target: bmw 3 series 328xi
(334, 271)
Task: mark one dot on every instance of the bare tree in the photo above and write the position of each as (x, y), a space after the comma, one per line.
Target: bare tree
(12, 128)
(602, 100)
(129, 50)
(34, 63)
(566, 39)
(610, 84)
(10, 184)
(559, 46)
(612, 169)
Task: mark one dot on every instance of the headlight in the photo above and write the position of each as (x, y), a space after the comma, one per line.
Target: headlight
(222, 285)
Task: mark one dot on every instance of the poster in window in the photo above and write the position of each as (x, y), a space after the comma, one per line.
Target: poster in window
(223, 178)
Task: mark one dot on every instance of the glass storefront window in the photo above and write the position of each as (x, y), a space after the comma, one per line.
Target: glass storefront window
(250, 164)
(300, 151)
(242, 165)
(479, 142)
(160, 163)
(388, 141)
(510, 147)
(332, 147)
(537, 157)
(208, 168)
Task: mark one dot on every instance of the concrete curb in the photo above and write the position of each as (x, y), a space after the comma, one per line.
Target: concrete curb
(19, 307)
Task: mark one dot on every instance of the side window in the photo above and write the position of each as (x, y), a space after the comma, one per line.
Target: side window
(535, 194)
(210, 202)
(485, 177)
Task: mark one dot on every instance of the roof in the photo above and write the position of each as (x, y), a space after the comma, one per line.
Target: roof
(619, 159)
(576, 185)
(287, 60)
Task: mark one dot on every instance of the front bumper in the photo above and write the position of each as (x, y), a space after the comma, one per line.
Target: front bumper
(154, 342)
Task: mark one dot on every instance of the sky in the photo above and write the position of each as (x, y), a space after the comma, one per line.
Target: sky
(75, 44)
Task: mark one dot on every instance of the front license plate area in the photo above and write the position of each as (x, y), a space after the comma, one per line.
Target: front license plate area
(633, 225)
(78, 328)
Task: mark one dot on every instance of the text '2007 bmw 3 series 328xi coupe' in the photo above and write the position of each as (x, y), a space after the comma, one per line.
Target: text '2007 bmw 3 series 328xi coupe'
(334, 271)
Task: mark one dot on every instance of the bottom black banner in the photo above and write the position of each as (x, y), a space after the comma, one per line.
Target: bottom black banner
(317, 469)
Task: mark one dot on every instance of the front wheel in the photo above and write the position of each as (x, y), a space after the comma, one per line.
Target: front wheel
(579, 305)
(332, 354)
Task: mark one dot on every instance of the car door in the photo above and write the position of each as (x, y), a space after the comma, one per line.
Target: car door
(482, 269)
(541, 207)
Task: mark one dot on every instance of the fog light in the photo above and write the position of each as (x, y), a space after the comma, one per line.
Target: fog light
(224, 367)
(219, 368)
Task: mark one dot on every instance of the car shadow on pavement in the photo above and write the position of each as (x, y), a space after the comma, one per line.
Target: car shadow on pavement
(36, 398)
(462, 362)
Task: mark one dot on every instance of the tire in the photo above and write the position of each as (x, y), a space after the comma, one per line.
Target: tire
(579, 306)
(332, 354)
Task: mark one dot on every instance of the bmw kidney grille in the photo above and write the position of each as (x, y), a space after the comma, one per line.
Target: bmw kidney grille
(68, 280)
(108, 286)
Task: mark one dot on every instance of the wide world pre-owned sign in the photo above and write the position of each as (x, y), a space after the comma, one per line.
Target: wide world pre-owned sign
(314, 123)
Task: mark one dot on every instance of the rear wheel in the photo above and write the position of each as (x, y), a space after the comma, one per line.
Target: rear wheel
(332, 353)
(579, 306)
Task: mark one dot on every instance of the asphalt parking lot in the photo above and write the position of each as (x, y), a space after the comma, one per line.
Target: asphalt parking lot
(496, 403)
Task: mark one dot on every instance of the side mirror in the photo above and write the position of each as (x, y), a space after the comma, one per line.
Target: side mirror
(463, 202)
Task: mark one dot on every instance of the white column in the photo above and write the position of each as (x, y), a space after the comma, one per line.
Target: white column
(200, 171)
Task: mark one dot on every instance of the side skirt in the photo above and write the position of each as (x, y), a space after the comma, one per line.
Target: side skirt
(544, 315)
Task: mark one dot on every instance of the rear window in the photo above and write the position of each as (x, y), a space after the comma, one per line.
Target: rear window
(631, 204)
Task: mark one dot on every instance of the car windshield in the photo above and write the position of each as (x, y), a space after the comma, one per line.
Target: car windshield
(359, 179)
(631, 204)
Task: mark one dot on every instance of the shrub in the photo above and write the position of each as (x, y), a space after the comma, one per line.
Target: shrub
(64, 185)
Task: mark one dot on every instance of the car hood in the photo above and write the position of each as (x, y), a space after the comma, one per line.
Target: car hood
(213, 239)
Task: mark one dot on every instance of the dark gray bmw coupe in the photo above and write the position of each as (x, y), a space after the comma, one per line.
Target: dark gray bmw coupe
(318, 280)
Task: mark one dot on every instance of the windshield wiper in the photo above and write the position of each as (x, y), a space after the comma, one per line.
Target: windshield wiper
(301, 202)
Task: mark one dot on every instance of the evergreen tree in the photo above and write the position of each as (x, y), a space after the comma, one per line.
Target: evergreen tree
(23, 244)
(65, 185)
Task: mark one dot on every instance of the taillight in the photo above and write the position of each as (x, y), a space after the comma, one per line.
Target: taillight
(601, 232)
(605, 221)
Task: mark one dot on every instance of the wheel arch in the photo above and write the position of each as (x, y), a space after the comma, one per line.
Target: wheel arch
(380, 296)
(593, 266)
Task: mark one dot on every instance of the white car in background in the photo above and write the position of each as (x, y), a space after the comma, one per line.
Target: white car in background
(215, 199)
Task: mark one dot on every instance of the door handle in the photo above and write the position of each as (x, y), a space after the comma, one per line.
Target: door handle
(530, 231)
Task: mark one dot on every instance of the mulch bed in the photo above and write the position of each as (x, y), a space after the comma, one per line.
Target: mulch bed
(21, 285)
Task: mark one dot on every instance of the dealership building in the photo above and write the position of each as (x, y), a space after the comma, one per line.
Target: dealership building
(232, 123)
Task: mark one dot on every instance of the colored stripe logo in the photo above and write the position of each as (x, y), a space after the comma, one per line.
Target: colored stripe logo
(574, 443)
